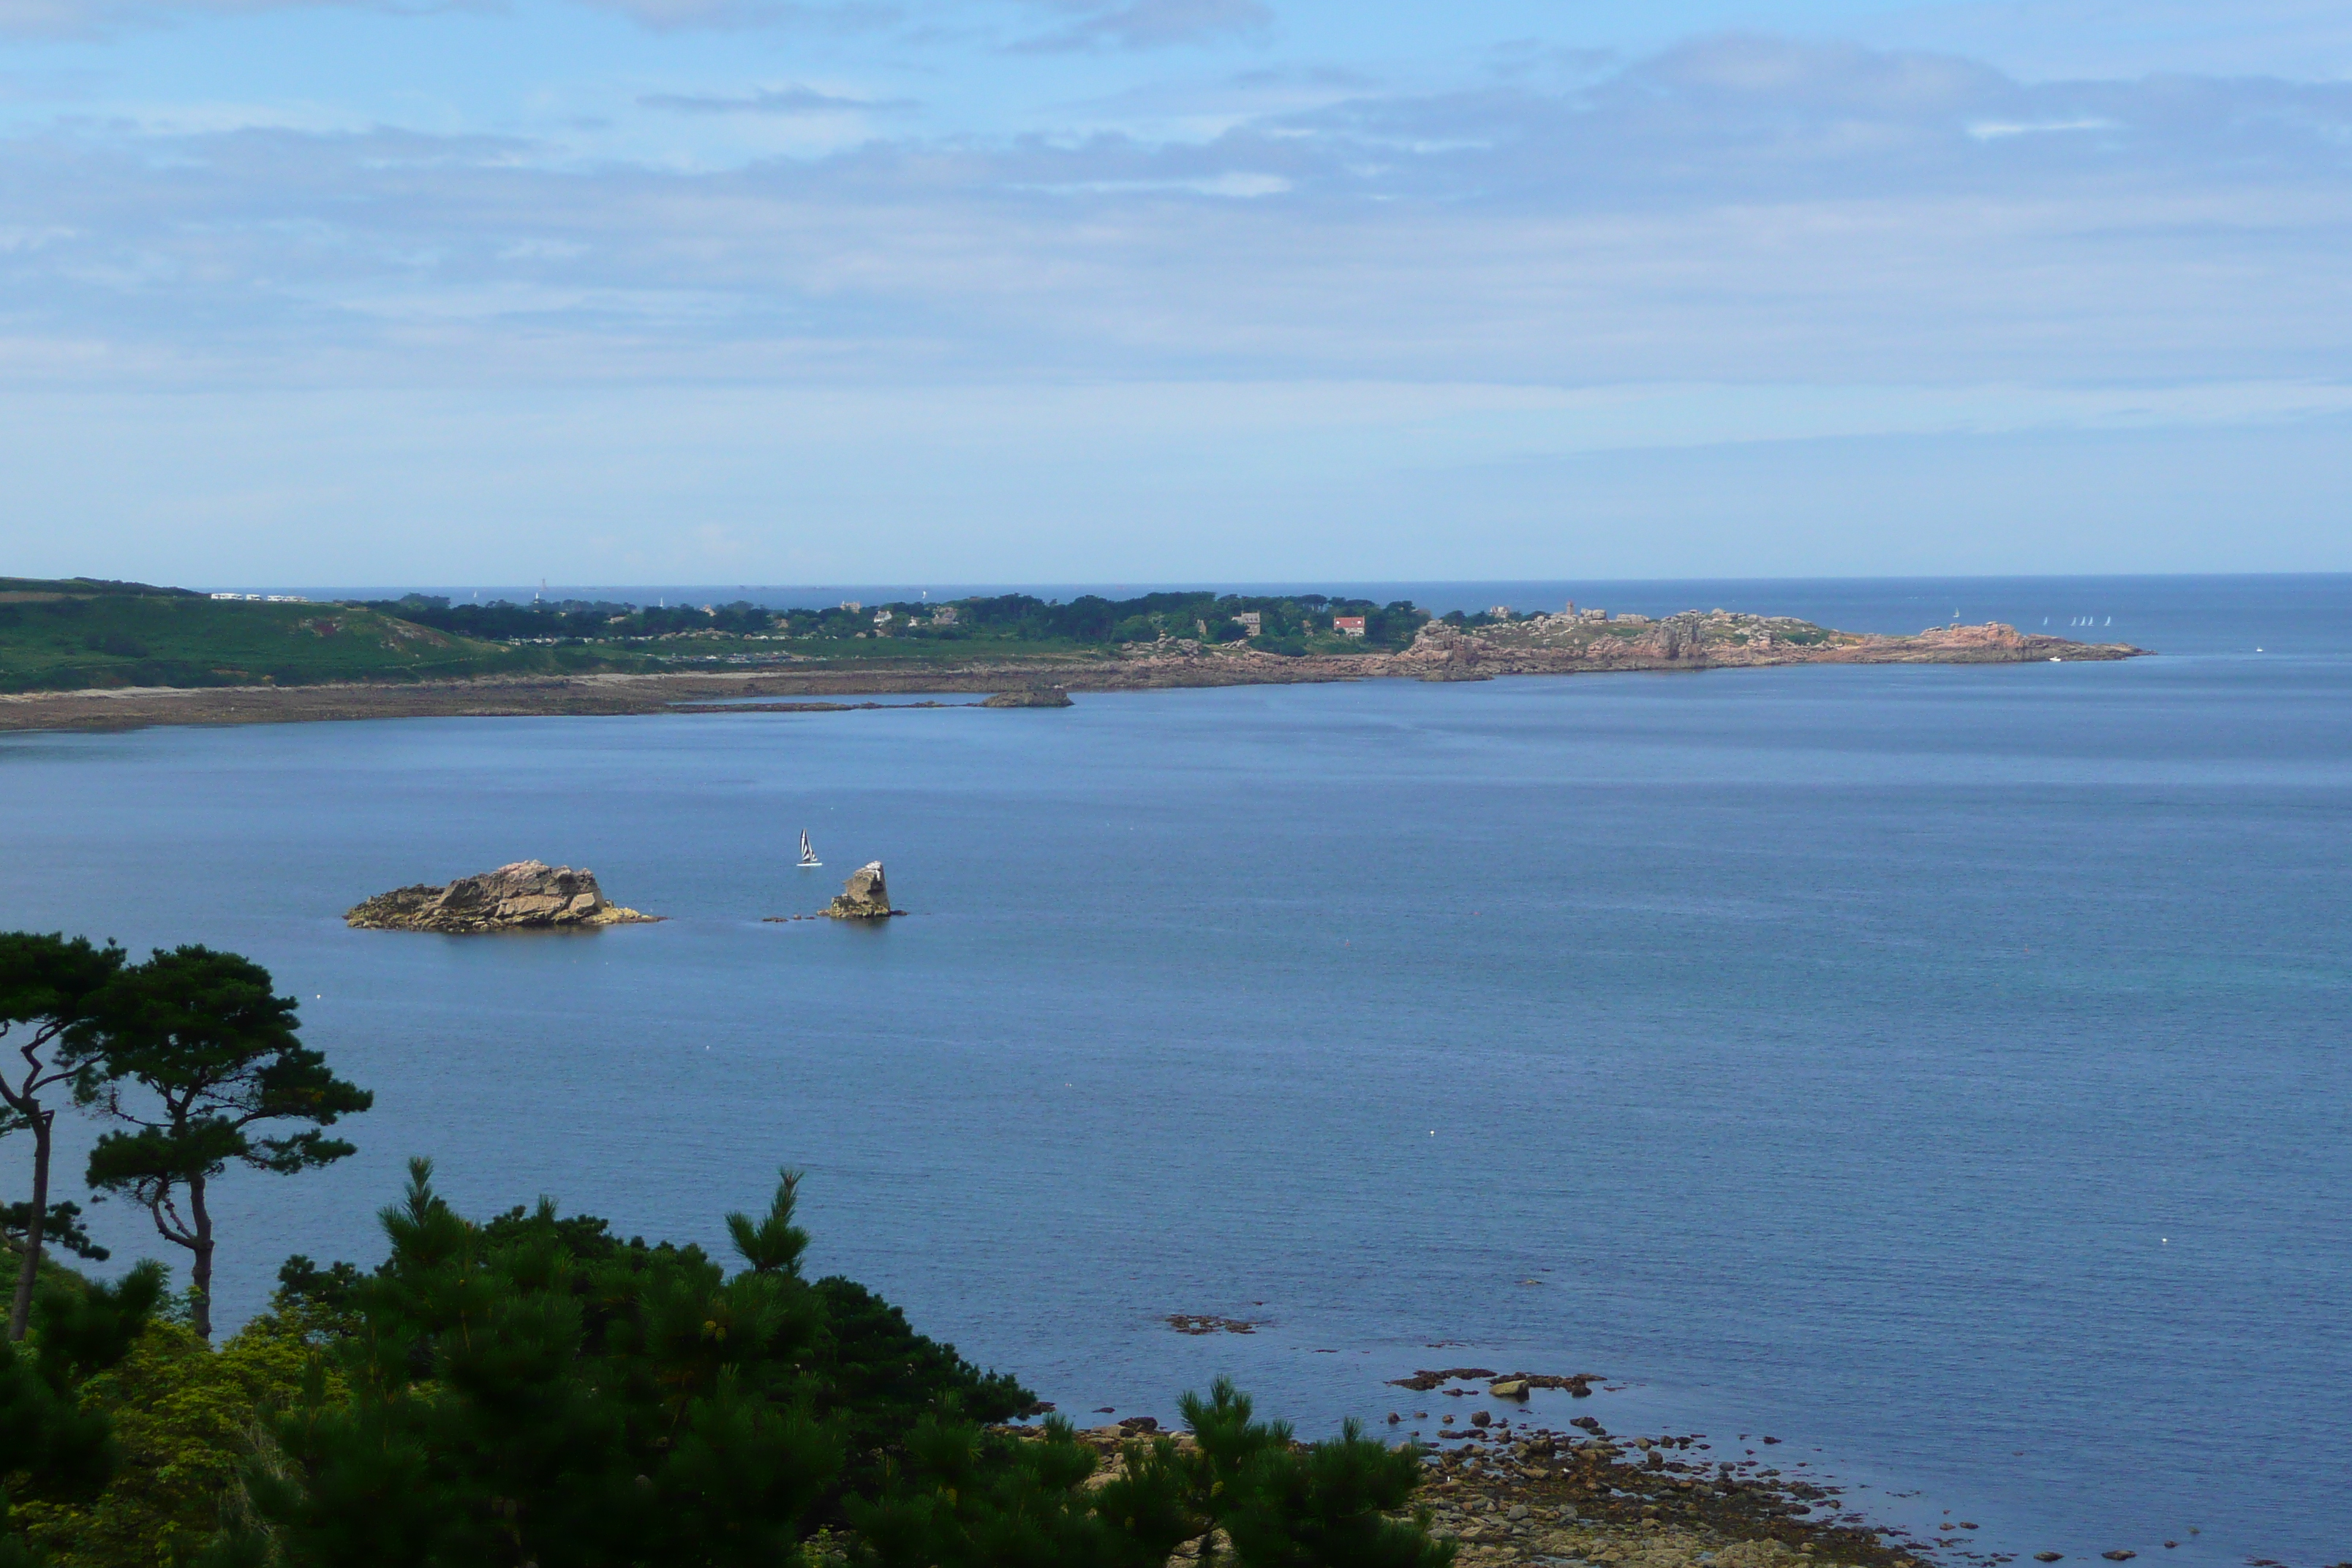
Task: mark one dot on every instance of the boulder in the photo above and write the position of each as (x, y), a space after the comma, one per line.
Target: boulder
(864, 897)
(1679, 637)
(526, 895)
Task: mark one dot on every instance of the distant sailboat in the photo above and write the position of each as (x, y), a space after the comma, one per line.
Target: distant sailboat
(808, 854)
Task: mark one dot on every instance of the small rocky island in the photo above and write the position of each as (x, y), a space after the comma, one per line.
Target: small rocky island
(864, 897)
(529, 895)
(1039, 696)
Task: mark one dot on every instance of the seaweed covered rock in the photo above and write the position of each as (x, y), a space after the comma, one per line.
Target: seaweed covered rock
(526, 895)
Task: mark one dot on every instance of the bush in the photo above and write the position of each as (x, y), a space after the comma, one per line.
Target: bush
(533, 1389)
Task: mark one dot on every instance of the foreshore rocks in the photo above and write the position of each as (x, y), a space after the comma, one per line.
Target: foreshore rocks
(864, 897)
(527, 895)
(1505, 1385)
(1509, 1493)
(1197, 1323)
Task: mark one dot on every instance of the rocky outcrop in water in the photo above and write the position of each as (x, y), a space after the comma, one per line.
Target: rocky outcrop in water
(527, 895)
(864, 897)
(1030, 697)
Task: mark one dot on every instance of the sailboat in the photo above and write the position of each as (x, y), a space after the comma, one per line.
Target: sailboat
(808, 854)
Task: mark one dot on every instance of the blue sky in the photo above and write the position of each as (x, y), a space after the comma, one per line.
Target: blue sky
(778, 290)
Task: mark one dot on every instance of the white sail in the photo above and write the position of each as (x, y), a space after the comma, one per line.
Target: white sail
(808, 854)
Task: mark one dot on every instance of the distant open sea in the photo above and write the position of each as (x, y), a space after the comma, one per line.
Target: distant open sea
(1941, 1069)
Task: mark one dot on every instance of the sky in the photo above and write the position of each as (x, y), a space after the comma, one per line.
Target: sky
(1157, 290)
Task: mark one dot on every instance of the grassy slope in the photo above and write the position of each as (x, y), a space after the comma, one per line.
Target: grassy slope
(63, 635)
(77, 633)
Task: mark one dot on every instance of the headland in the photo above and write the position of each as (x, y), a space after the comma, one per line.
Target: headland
(1025, 653)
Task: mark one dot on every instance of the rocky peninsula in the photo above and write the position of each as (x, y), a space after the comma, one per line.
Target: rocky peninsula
(1580, 643)
(528, 895)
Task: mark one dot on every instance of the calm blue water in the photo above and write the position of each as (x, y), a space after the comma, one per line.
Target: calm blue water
(1941, 1069)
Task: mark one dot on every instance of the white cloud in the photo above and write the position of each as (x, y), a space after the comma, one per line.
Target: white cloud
(1992, 130)
(1735, 210)
(1086, 25)
(1234, 183)
(676, 16)
(2304, 40)
(94, 18)
(1150, 24)
(87, 18)
(795, 99)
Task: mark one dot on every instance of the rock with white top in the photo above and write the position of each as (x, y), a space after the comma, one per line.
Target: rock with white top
(864, 897)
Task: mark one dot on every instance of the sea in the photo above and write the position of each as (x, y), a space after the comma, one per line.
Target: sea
(1942, 1071)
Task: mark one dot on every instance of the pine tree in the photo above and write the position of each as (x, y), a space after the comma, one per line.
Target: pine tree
(529, 1391)
(532, 1390)
(45, 986)
(51, 1443)
(772, 1244)
(192, 1050)
(963, 1500)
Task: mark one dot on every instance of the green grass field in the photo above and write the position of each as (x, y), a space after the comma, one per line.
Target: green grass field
(77, 632)
(73, 634)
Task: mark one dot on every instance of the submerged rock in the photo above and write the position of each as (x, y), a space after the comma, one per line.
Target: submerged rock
(526, 895)
(864, 897)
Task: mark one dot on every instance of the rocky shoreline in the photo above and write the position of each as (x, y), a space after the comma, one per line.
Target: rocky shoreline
(1518, 1493)
(1546, 644)
(1509, 1489)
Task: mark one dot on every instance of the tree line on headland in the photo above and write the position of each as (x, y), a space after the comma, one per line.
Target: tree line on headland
(529, 1389)
(1277, 623)
(69, 633)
